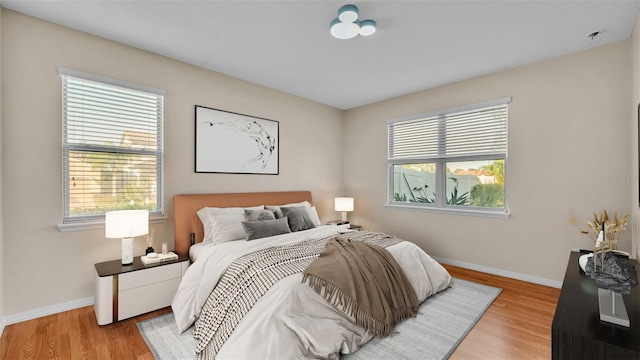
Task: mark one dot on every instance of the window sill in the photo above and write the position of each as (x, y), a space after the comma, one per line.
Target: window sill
(504, 214)
(91, 225)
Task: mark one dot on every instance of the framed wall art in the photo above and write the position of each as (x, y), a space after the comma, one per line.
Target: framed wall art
(228, 142)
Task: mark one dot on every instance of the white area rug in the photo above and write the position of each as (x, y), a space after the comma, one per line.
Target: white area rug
(444, 320)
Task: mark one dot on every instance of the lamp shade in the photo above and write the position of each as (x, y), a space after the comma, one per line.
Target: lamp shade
(126, 223)
(344, 204)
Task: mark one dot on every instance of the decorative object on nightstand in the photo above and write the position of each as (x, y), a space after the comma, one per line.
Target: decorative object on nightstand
(126, 224)
(344, 204)
(153, 258)
(165, 248)
(148, 238)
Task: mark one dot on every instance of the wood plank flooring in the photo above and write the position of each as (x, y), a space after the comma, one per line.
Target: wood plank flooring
(516, 326)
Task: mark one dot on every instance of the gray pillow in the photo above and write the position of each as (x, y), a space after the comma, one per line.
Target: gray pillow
(253, 215)
(276, 208)
(263, 228)
(299, 218)
(276, 211)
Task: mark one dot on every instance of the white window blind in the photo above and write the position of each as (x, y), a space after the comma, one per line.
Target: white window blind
(112, 146)
(466, 133)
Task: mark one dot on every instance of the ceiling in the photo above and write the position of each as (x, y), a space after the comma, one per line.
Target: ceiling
(286, 45)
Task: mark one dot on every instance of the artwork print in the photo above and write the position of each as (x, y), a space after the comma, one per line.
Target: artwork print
(227, 142)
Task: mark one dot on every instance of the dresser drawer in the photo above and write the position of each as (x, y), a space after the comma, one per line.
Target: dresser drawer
(149, 276)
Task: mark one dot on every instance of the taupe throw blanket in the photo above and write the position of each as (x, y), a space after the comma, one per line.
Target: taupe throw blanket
(365, 282)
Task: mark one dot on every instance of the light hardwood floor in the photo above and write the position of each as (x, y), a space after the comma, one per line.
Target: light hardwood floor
(516, 326)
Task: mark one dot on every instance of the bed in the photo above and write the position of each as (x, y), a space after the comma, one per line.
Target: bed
(236, 314)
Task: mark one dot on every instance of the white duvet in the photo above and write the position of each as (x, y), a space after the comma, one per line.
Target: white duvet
(291, 320)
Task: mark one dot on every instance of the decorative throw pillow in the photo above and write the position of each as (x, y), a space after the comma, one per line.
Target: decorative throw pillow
(264, 228)
(253, 215)
(276, 208)
(299, 218)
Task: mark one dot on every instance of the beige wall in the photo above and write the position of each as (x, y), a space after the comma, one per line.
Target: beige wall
(568, 150)
(50, 267)
(1, 212)
(635, 100)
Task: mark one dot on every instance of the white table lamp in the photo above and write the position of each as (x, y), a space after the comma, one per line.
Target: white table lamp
(344, 204)
(126, 224)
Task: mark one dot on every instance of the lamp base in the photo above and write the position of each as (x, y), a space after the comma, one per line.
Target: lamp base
(344, 216)
(612, 308)
(127, 251)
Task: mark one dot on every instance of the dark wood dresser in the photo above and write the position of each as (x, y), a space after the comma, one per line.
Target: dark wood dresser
(578, 333)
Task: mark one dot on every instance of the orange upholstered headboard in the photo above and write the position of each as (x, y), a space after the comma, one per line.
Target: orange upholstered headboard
(186, 206)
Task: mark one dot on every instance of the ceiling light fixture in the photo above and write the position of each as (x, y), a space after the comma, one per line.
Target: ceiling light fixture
(348, 13)
(347, 26)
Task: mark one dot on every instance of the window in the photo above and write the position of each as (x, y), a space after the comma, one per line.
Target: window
(112, 146)
(450, 160)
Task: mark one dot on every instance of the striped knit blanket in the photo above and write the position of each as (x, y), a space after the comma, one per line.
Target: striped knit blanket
(249, 277)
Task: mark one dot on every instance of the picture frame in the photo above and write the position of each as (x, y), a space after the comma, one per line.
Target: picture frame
(232, 143)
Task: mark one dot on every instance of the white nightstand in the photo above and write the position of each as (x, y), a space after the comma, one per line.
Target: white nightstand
(122, 291)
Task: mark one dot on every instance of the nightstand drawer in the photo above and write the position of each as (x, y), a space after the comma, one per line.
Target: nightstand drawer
(149, 276)
(140, 300)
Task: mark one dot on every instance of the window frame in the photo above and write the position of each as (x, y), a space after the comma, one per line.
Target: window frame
(90, 221)
(440, 160)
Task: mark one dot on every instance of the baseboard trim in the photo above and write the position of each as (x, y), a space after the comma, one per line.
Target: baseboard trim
(500, 272)
(47, 310)
(2, 325)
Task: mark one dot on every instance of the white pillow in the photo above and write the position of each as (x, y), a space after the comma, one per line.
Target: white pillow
(205, 216)
(225, 227)
(313, 214)
(276, 208)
